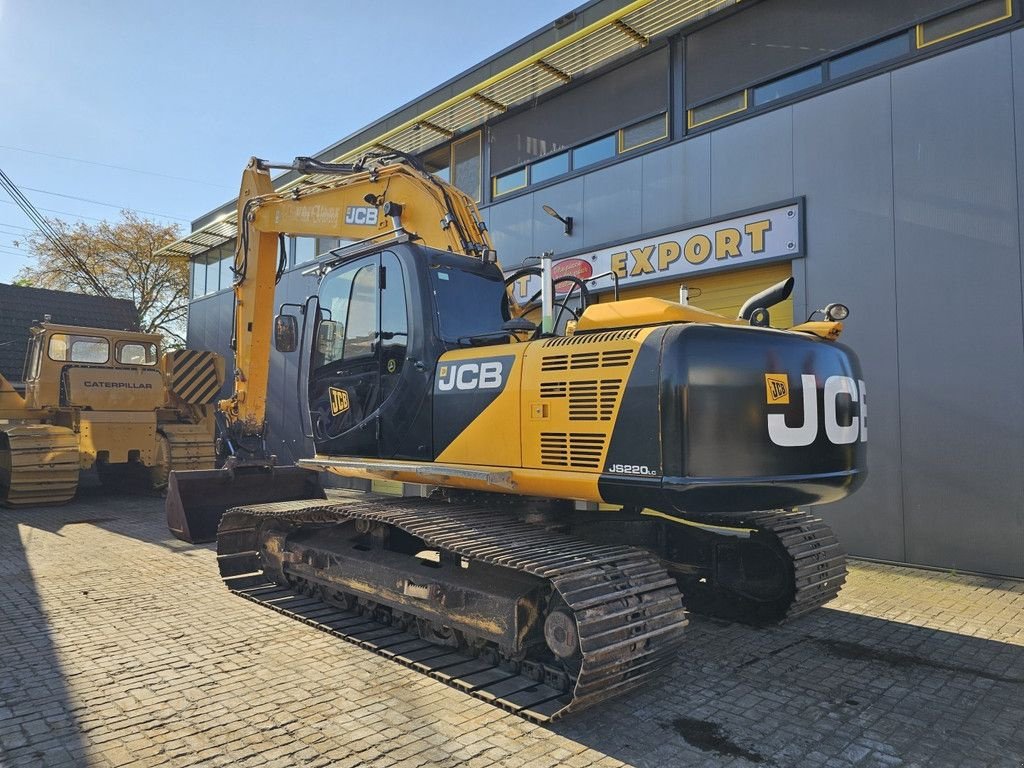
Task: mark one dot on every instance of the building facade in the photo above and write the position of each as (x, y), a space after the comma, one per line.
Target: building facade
(874, 151)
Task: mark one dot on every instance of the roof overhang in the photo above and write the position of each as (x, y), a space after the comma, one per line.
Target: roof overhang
(615, 35)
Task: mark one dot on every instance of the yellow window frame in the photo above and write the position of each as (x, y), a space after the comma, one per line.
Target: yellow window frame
(494, 182)
(664, 133)
(919, 29)
(746, 103)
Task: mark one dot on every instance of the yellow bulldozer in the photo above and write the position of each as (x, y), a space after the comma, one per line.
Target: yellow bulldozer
(94, 397)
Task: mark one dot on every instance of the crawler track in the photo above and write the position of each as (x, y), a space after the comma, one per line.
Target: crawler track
(627, 610)
(38, 465)
(806, 549)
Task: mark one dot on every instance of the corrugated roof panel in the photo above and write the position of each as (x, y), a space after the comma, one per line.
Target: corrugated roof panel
(581, 52)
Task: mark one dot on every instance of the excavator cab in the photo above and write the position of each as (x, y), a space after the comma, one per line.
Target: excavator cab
(381, 321)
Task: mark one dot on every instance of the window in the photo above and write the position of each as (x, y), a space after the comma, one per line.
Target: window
(466, 165)
(305, 249)
(136, 353)
(716, 110)
(869, 56)
(509, 182)
(348, 326)
(65, 348)
(394, 322)
(573, 115)
(459, 320)
(594, 152)
(784, 86)
(775, 37)
(198, 277)
(439, 162)
(963, 21)
(644, 132)
(549, 167)
(226, 263)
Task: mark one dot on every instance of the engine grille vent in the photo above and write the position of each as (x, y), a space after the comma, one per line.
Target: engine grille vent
(611, 358)
(590, 400)
(576, 450)
(593, 338)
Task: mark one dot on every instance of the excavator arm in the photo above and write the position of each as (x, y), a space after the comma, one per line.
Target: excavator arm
(380, 200)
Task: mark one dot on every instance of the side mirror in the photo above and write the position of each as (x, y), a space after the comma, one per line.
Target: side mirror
(326, 333)
(286, 333)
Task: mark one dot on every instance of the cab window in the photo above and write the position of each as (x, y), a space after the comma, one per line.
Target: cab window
(348, 306)
(136, 353)
(67, 348)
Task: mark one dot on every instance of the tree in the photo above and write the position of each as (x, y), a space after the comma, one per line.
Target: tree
(117, 260)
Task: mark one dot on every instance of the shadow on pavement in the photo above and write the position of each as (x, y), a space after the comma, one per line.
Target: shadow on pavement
(38, 722)
(832, 686)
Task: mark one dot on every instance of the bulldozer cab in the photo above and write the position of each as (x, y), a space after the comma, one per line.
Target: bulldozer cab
(57, 354)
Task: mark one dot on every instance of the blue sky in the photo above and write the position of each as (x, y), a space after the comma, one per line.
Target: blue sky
(193, 89)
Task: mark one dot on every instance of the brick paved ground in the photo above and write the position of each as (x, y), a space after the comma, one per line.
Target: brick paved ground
(118, 646)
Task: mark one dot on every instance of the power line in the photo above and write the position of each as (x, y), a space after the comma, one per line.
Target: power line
(62, 213)
(109, 205)
(14, 252)
(51, 234)
(16, 226)
(117, 167)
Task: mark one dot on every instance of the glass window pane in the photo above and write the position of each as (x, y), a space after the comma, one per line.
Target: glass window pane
(784, 86)
(594, 152)
(549, 167)
(460, 320)
(361, 323)
(78, 349)
(644, 132)
(305, 249)
(777, 36)
(466, 165)
(438, 162)
(960, 22)
(198, 277)
(326, 244)
(394, 322)
(136, 353)
(226, 276)
(509, 181)
(717, 109)
(869, 57)
(213, 273)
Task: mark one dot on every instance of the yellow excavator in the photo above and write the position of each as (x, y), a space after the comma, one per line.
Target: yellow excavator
(588, 464)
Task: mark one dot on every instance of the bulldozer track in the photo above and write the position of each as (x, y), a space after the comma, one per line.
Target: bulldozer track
(627, 609)
(192, 446)
(38, 465)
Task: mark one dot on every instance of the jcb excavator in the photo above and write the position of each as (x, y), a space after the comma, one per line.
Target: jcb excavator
(582, 482)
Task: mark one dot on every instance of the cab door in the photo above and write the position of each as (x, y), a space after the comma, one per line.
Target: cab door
(359, 357)
(344, 383)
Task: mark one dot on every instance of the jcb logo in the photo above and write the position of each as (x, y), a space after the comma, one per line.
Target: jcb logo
(485, 375)
(777, 385)
(361, 214)
(339, 401)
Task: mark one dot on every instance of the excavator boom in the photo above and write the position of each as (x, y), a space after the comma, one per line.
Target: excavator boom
(382, 200)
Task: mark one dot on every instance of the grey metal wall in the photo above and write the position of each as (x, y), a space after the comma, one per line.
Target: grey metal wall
(912, 182)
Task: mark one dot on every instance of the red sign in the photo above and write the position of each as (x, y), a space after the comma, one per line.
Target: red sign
(574, 267)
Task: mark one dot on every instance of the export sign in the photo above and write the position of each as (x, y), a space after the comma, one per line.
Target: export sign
(737, 241)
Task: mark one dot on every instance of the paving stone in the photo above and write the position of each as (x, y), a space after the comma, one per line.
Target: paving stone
(119, 647)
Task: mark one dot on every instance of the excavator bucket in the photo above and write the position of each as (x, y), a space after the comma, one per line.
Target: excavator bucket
(197, 499)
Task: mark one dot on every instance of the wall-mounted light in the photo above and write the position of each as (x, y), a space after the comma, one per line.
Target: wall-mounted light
(566, 220)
